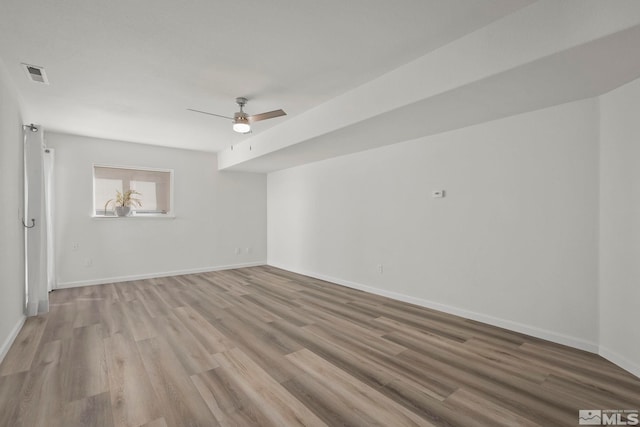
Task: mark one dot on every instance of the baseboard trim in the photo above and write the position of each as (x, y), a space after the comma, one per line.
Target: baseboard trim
(619, 360)
(480, 317)
(6, 345)
(118, 279)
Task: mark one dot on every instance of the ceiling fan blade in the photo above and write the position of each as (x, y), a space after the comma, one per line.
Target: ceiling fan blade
(211, 114)
(265, 116)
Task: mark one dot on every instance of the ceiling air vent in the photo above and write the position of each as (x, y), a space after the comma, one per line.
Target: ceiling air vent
(36, 74)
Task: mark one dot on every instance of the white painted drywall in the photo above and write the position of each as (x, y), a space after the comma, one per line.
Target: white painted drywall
(537, 52)
(216, 212)
(11, 231)
(620, 226)
(513, 243)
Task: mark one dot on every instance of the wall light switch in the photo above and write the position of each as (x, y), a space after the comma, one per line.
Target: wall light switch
(437, 194)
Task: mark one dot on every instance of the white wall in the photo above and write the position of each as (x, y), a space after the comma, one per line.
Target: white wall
(620, 226)
(216, 212)
(11, 230)
(514, 242)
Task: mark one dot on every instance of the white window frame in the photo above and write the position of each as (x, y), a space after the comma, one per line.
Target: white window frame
(134, 214)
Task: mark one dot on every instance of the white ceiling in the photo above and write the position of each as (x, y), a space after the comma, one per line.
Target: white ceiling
(128, 69)
(549, 53)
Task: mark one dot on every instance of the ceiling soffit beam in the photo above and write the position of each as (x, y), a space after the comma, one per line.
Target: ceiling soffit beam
(526, 37)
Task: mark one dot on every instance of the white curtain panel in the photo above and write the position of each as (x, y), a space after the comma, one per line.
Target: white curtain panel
(35, 237)
(49, 157)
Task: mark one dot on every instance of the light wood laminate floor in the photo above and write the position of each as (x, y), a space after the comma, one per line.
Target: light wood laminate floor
(262, 346)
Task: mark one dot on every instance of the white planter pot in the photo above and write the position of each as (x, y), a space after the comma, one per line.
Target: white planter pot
(123, 210)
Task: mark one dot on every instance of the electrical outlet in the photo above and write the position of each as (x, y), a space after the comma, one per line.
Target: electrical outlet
(380, 268)
(438, 194)
(75, 246)
(88, 262)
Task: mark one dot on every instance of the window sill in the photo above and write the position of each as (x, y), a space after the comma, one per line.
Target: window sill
(100, 217)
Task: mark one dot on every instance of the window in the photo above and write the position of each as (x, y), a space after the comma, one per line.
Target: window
(153, 185)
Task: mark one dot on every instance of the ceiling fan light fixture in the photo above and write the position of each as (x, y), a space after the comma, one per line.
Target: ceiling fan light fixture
(241, 120)
(241, 125)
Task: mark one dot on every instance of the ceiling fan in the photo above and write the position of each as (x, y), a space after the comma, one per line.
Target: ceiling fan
(242, 121)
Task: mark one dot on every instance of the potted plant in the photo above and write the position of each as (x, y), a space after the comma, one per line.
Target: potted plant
(123, 202)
